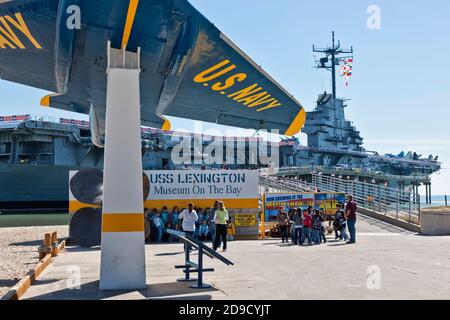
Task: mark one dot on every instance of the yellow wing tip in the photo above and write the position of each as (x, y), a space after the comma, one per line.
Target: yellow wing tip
(166, 125)
(297, 124)
(45, 101)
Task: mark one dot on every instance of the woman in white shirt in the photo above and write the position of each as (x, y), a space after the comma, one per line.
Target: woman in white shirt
(189, 217)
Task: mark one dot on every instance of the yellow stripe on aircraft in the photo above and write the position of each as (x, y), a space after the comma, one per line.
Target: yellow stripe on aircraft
(132, 9)
(297, 124)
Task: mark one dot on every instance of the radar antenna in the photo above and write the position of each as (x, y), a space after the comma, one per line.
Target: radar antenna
(331, 60)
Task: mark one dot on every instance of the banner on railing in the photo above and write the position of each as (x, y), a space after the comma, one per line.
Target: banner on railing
(14, 118)
(78, 123)
(325, 201)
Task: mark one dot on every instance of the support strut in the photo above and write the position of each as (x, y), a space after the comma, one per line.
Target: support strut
(123, 241)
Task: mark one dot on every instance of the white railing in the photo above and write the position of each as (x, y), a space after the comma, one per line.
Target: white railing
(396, 203)
(273, 185)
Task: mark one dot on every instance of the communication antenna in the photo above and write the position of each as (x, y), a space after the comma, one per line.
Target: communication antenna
(331, 60)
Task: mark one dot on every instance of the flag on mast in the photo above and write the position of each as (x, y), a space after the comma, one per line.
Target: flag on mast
(346, 69)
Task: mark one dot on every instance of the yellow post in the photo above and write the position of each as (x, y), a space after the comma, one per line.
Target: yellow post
(263, 217)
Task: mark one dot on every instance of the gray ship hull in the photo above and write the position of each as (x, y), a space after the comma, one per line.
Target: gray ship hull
(34, 187)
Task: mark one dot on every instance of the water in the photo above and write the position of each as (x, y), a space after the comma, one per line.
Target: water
(436, 201)
(31, 220)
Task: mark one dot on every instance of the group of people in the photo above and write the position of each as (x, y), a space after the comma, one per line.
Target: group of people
(308, 225)
(208, 224)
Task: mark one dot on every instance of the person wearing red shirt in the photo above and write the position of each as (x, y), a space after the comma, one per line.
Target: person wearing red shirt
(307, 224)
(350, 216)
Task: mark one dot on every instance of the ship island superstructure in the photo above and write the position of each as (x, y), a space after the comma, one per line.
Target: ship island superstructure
(335, 147)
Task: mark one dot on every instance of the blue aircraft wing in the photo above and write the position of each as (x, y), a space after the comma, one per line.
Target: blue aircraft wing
(190, 69)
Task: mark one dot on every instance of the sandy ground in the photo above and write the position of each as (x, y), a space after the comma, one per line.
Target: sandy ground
(18, 252)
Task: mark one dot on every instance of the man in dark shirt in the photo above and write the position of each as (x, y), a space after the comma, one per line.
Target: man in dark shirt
(283, 223)
(350, 215)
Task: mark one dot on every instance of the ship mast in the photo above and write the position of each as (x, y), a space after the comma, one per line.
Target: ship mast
(331, 61)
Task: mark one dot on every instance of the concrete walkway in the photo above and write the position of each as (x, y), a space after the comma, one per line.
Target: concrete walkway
(386, 263)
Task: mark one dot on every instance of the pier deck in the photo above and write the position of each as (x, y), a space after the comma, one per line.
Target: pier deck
(411, 267)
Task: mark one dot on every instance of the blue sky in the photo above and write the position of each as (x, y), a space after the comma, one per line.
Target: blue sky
(400, 90)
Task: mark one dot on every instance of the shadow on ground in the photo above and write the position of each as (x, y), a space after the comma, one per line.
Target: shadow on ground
(81, 249)
(91, 291)
(27, 243)
(8, 282)
(168, 254)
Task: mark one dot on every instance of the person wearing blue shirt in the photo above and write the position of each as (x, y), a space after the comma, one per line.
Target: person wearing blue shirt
(200, 218)
(159, 226)
(165, 220)
(174, 222)
(174, 219)
(203, 231)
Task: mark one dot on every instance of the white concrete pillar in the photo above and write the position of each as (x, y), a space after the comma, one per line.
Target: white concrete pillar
(123, 245)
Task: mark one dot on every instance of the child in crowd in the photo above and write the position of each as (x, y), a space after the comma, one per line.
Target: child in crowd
(336, 226)
(174, 222)
(203, 231)
(206, 215)
(322, 235)
(174, 218)
(316, 227)
(341, 223)
(158, 225)
(199, 221)
(164, 215)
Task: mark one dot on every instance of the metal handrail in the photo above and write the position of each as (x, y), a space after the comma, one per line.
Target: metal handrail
(396, 203)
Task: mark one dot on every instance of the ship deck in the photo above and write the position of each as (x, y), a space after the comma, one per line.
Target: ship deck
(378, 176)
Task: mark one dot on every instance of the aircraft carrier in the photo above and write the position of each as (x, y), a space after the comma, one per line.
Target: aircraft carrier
(36, 154)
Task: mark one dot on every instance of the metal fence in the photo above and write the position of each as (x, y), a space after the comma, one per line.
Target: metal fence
(396, 203)
(277, 185)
